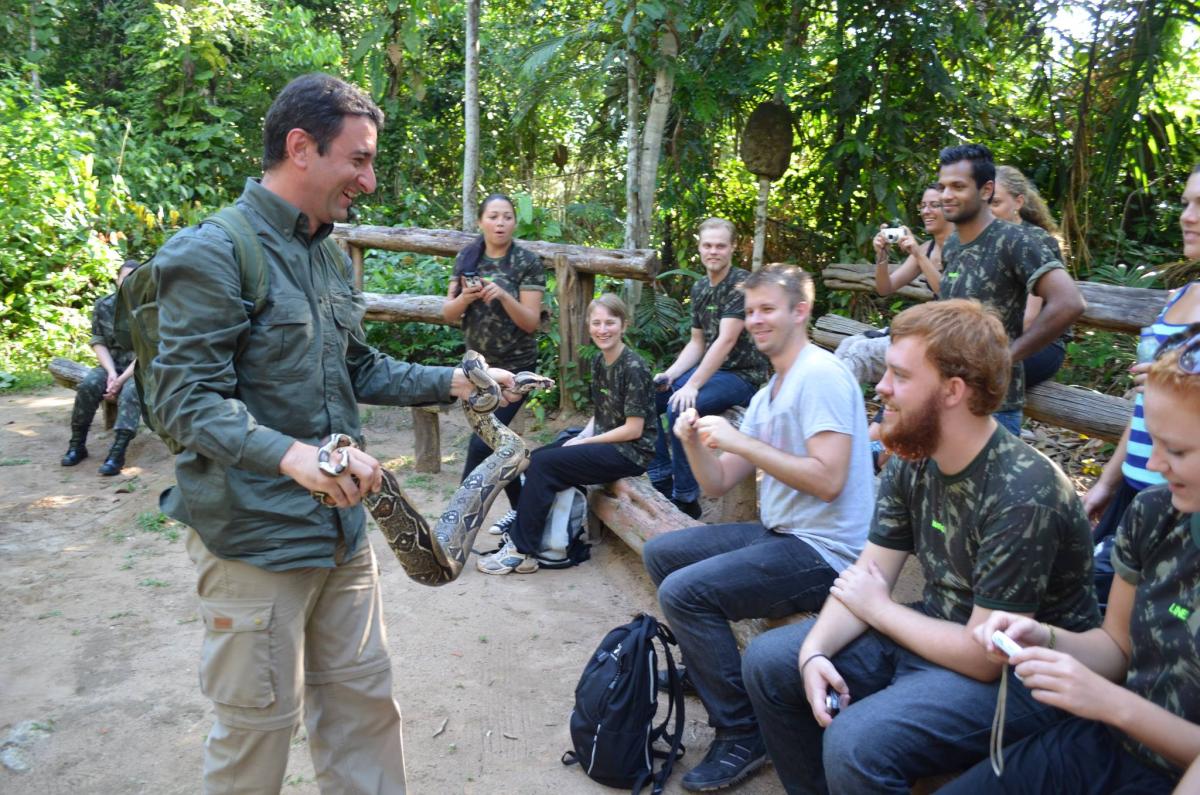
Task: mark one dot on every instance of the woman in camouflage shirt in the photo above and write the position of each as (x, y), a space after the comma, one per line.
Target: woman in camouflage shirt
(617, 442)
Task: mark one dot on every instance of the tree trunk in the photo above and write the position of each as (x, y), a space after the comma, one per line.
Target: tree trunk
(656, 122)
(635, 237)
(471, 118)
(760, 222)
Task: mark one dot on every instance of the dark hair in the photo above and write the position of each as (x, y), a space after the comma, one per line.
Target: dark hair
(468, 258)
(983, 167)
(318, 104)
(797, 284)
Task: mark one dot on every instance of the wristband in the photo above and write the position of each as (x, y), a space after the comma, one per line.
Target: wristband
(1050, 629)
(811, 657)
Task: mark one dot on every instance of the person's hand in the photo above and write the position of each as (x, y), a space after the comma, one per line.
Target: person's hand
(863, 590)
(685, 426)
(1023, 630)
(462, 387)
(662, 381)
(881, 246)
(574, 440)
(715, 432)
(1096, 501)
(1060, 680)
(1138, 372)
(907, 243)
(683, 399)
(470, 293)
(820, 676)
(490, 291)
(300, 464)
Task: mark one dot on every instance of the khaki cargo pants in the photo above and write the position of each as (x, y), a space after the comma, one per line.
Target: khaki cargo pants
(279, 642)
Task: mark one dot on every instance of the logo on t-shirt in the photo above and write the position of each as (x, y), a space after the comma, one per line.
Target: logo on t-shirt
(1179, 611)
(936, 525)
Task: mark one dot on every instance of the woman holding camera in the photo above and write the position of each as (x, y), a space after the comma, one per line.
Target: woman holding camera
(496, 291)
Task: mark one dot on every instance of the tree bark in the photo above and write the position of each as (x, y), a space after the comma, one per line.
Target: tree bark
(635, 236)
(760, 223)
(656, 122)
(471, 117)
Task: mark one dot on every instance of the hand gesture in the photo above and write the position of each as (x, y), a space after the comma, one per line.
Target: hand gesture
(490, 291)
(685, 426)
(820, 677)
(715, 432)
(1023, 630)
(683, 399)
(907, 243)
(1060, 680)
(863, 590)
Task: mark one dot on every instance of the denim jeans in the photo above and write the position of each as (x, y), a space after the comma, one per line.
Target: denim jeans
(1079, 756)
(908, 718)
(721, 392)
(1011, 420)
(710, 575)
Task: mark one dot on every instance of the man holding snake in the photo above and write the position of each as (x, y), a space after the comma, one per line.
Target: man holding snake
(288, 586)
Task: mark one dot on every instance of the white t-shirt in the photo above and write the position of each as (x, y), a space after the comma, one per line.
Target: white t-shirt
(818, 394)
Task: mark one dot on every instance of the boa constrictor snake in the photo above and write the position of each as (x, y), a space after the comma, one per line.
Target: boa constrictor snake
(437, 556)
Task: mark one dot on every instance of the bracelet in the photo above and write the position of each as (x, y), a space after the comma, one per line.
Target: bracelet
(811, 657)
(1050, 629)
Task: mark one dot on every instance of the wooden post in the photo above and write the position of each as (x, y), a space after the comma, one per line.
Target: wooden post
(356, 259)
(575, 291)
(427, 439)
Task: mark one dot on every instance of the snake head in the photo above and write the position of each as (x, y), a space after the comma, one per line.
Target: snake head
(325, 460)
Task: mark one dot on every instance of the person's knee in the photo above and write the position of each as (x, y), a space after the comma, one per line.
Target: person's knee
(652, 559)
(769, 666)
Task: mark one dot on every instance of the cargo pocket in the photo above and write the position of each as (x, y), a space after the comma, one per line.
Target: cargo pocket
(235, 662)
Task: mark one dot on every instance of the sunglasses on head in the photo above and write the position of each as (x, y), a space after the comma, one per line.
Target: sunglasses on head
(1187, 342)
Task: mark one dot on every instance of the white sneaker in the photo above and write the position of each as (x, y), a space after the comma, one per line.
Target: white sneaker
(507, 560)
(503, 524)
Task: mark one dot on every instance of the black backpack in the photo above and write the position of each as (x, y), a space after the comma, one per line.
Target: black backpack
(616, 702)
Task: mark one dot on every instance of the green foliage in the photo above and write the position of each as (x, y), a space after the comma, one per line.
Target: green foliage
(398, 273)
(1099, 359)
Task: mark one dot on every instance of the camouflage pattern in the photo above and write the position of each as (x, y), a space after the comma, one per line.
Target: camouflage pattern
(103, 314)
(1006, 533)
(488, 328)
(90, 393)
(1158, 552)
(999, 268)
(625, 389)
(710, 305)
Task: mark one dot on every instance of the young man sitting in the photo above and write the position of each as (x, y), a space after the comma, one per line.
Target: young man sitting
(806, 431)
(995, 526)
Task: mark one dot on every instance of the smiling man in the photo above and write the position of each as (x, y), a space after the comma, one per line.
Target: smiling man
(717, 369)
(806, 432)
(288, 586)
(1000, 265)
(994, 524)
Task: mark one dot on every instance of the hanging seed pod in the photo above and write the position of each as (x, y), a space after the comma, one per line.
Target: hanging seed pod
(767, 140)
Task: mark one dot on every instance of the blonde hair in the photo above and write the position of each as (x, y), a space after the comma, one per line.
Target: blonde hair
(613, 303)
(797, 284)
(964, 339)
(1034, 210)
(718, 223)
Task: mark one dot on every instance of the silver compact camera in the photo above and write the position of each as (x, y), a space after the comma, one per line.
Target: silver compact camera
(833, 703)
(892, 234)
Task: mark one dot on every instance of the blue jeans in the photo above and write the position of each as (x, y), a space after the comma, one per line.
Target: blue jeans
(721, 392)
(1077, 756)
(1011, 420)
(908, 718)
(710, 575)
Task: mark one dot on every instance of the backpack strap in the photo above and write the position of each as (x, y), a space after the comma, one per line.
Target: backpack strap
(248, 251)
(674, 705)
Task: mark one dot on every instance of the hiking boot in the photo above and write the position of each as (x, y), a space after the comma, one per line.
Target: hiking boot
(729, 760)
(76, 448)
(116, 454)
(690, 507)
(507, 560)
(503, 524)
(685, 682)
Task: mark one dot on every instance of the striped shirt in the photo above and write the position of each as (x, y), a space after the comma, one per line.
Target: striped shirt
(1137, 452)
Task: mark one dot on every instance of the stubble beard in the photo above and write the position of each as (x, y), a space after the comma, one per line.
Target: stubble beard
(915, 435)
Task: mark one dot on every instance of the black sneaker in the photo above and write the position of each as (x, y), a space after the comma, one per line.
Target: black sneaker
(728, 761)
(685, 681)
(690, 507)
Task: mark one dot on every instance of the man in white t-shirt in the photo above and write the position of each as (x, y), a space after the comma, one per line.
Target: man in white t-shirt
(806, 431)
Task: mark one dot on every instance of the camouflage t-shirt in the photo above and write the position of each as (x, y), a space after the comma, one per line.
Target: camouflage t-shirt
(999, 268)
(620, 390)
(1006, 533)
(487, 327)
(711, 304)
(1158, 552)
(103, 315)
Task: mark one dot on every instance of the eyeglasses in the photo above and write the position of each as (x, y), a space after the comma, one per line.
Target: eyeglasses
(929, 206)
(1189, 341)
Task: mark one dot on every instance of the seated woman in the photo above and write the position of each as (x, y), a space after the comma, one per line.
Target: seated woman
(617, 442)
(1017, 201)
(864, 354)
(496, 290)
(1133, 684)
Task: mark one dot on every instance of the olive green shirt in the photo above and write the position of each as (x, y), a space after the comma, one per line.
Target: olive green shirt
(712, 303)
(104, 313)
(237, 390)
(487, 327)
(621, 390)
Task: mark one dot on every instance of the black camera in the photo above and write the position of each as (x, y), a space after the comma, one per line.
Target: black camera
(833, 703)
(470, 280)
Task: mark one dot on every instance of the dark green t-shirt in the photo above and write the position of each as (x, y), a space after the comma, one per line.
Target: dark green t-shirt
(999, 268)
(620, 390)
(710, 305)
(487, 328)
(1158, 552)
(104, 314)
(1006, 533)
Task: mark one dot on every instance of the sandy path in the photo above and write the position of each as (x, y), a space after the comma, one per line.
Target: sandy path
(100, 633)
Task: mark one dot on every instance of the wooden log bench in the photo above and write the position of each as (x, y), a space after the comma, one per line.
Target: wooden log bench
(1109, 307)
(69, 373)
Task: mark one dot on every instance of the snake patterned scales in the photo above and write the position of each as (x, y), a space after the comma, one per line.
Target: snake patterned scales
(437, 556)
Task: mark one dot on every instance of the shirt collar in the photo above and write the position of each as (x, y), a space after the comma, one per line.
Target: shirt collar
(287, 219)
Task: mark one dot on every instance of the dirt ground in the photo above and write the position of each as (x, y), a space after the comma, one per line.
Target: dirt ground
(101, 633)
